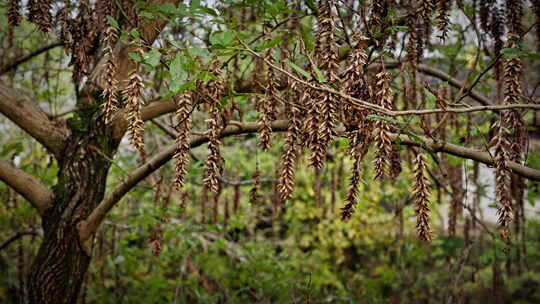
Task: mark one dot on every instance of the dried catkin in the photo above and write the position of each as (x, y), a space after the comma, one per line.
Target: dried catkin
(132, 96)
(421, 198)
(183, 127)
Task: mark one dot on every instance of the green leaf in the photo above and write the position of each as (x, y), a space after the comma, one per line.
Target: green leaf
(269, 44)
(135, 33)
(319, 75)
(311, 4)
(298, 69)
(135, 56)
(153, 57)
(113, 22)
(222, 38)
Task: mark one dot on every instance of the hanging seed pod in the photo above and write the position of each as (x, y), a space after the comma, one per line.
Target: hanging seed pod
(421, 198)
(183, 128)
(383, 128)
(14, 13)
(267, 109)
(132, 95)
(502, 175)
(213, 167)
(289, 157)
(111, 84)
(39, 12)
(444, 7)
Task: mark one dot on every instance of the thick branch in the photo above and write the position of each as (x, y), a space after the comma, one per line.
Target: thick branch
(468, 153)
(27, 115)
(27, 186)
(97, 216)
(25, 58)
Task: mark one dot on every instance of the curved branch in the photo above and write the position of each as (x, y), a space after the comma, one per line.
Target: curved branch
(468, 153)
(25, 58)
(27, 115)
(26, 185)
(17, 236)
(96, 217)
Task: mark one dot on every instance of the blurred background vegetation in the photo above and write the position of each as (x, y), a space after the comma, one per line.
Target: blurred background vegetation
(244, 245)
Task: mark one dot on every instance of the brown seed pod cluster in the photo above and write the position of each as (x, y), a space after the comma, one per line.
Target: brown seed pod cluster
(111, 84)
(290, 155)
(132, 96)
(267, 108)
(183, 128)
(39, 12)
(421, 198)
(383, 128)
(14, 13)
(213, 91)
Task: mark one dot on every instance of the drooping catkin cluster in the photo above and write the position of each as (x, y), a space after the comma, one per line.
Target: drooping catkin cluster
(213, 91)
(514, 14)
(513, 69)
(111, 84)
(443, 16)
(132, 96)
(323, 126)
(267, 108)
(426, 8)
(421, 198)
(14, 13)
(502, 175)
(254, 196)
(290, 155)
(104, 9)
(356, 122)
(39, 12)
(383, 128)
(183, 127)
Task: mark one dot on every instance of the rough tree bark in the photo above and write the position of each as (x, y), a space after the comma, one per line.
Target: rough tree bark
(62, 261)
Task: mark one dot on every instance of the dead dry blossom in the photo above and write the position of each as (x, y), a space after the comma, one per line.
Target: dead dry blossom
(213, 91)
(383, 128)
(14, 13)
(183, 128)
(111, 84)
(421, 198)
(132, 96)
(267, 108)
(290, 156)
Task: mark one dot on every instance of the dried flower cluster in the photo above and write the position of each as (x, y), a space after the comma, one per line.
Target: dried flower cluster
(111, 84)
(290, 155)
(324, 114)
(443, 17)
(14, 13)
(183, 127)
(502, 175)
(213, 91)
(132, 96)
(266, 107)
(39, 12)
(421, 198)
(383, 128)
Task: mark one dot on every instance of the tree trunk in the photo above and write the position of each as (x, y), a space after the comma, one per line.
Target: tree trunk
(62, 261)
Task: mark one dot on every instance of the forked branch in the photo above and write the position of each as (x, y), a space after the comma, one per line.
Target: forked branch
(27, 115)
(27, 186)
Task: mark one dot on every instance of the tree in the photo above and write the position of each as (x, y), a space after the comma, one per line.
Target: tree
(317, 71)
